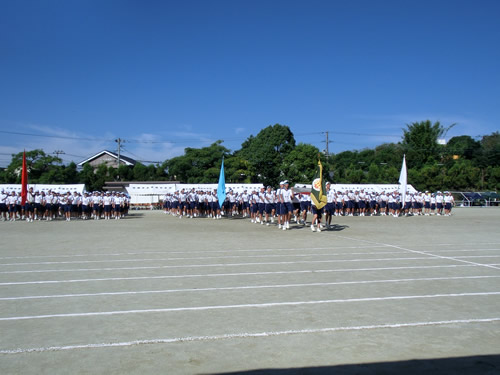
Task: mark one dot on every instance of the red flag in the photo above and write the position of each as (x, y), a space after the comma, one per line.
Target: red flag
(24, 181)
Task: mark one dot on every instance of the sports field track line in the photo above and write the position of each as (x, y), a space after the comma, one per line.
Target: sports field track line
(248, 305)
(247, 335)
(222, 265)
(190, 252)
(135, 260)
(233, 250)
(248, 287)
(199, 258)
(231, 274)
(422, 252)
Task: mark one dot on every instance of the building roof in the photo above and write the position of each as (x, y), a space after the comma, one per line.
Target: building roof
(123, 159)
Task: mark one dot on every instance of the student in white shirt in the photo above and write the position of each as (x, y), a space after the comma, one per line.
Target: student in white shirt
(449, 201)
(287, 196)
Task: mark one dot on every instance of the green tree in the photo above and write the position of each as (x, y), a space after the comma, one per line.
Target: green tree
(236, 169)
(491, 148)
(198, 165)
(70, 173)
(464, 147)
(388, 154)
(461, 176)
(300, 164)
(88, 177)
(374, 174)
(420, 143)
(101, 176)
(492, 178)
(140, 172)
(266, 153)
(37, 162)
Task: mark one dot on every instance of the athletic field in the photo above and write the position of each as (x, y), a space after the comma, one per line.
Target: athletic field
(155, 294)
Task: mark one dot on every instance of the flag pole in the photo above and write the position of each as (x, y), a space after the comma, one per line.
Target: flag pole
(24, 181)
(403, 180)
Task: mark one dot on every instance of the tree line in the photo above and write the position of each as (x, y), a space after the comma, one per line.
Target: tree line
(462, 164)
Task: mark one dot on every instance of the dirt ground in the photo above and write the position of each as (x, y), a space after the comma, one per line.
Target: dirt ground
(157, 294)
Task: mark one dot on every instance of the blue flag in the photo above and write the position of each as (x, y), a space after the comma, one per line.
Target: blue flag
(221, 189)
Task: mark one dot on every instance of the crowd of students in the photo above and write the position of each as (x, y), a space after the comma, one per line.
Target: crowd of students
(51, 205)
(269, 206)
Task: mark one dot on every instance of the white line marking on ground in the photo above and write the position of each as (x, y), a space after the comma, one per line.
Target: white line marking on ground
(248, 305)
(421, 252)
(307, 255)
(229, 274)
(20, 298)
(232, 251)
(223, 265)
(247, 335)
(135, 260)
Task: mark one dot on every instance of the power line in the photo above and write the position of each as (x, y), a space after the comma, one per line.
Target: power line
(56, 136)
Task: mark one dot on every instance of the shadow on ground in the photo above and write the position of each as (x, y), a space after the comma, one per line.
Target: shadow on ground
(474, 365)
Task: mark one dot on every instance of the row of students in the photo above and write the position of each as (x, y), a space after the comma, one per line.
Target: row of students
(266, 205)
(50, 205)
(359, 203)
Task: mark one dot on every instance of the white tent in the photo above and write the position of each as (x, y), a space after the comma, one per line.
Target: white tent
(376, 188)
(148, 193)
(59, 188)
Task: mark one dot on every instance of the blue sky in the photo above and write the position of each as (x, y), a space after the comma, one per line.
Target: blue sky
(165, 75)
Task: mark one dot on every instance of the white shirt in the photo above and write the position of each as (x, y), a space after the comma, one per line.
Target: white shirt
(287, 195)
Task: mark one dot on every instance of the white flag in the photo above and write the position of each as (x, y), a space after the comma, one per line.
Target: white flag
(403, 181)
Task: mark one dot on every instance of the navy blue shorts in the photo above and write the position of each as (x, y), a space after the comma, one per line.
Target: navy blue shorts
(439, 206)
(303, 206)
(447, 206)
(361, 204)
(270, 207)
(262, 207)
(317, 211)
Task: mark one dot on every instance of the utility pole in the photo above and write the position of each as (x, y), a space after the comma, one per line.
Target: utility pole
(327, 141)
(119, 141)
(58, 152)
